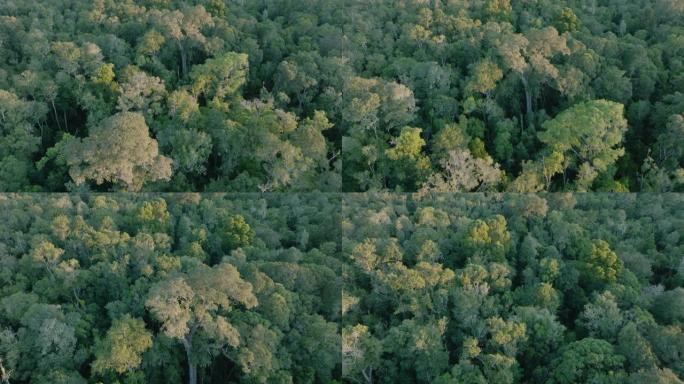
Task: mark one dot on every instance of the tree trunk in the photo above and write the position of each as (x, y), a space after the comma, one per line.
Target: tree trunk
(184, 58)
(4, 374)
(192, 373)
(528, 101)
(368, 375)
(55, 111)
(192, 367)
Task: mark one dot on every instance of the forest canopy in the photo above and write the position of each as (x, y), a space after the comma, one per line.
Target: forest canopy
(548, 289)
(342, 191)
(342, 95)
(169, 289)
(359, 288)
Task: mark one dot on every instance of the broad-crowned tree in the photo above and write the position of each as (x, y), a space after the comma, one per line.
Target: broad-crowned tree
(185, 28)
(407, 165)
(122, 347)
(140, 92)
(602, 318)
(529, 57)
(120, 151)
(361, 353)
(464, 173)
(418, 350)
(585, 361)
(191, 307)
(220, 77)
(590, 134)
(636, 349)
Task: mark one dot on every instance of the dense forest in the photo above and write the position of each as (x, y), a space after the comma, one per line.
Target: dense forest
(548, 289)
(135, 289)
(361, 288)
(342, 191)
(342, 95)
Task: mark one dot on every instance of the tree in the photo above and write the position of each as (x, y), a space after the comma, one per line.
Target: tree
(141, 92)
(419, 348)
(189, 308)
(668, 306)
(602, 318)
(584, 361)
(18, 140)
(219, 77)
(666, 150)
(463, 173)
(506, 335)
(122, 347)
(408, 145)
(544, 337)
(236, 233)
(484, 77)
(360, 353)
(588, 133)
(636, 349)
(566, 21)
(185, 28)
(407, 162)
(529, 56)
(118, 150)
(601, 264)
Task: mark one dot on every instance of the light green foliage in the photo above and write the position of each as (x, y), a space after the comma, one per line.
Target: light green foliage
(237, 233)
(601, 263)
(194, 70)
(485, 76)
(408, 145)
(566, 21)
(219, 77)
(464, 172)
(408, 164)
(590, 134)
(188, 303)
(451, 137)
(153, 216)
(505, 335)
(140, 92)
(136, 288)
(122, 347)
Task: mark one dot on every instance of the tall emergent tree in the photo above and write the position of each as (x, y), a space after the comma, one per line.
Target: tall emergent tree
(192, 308)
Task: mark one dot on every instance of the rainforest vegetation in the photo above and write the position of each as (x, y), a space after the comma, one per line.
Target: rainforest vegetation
(547, 289)
(342, 191)
(360, 288)
(135, 289)
(342, 95)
